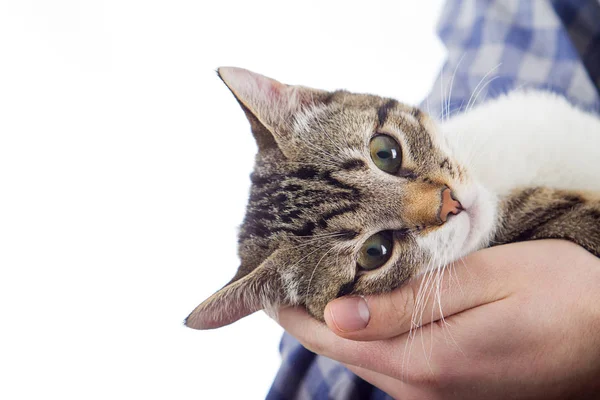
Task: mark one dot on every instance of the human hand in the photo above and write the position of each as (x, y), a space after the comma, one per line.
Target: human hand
(520, 321)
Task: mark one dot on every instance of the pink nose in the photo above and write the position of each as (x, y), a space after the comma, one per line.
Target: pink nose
(449, 205)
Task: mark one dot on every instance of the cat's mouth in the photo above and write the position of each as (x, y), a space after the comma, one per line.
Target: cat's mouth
(478, 219)
(463, 233)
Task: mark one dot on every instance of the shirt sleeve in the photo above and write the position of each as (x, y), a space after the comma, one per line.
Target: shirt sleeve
(498, 46)
(494, 46)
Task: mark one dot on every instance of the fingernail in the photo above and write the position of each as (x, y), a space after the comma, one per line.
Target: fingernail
(350, 314)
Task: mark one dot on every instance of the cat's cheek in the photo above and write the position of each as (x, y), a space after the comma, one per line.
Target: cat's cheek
(478, 217)
(448, 243)
(482, 218)
(316, 308)
(439, 246)
(291, 287)
(464, 236)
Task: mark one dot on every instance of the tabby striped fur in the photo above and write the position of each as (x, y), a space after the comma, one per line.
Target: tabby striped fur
(316, 195)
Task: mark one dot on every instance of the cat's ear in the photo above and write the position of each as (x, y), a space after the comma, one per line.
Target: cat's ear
(269, 105)
(244, 295)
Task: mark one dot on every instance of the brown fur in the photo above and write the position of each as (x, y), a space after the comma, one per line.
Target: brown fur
(316, 196)
(545, 213)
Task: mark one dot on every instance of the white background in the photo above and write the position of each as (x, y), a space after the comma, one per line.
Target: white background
(124, 166)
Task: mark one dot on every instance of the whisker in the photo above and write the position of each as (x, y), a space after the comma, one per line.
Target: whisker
(315, 269)
(451, 86)
(482, 80)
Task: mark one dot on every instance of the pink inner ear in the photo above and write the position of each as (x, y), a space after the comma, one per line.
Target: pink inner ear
(256, 91)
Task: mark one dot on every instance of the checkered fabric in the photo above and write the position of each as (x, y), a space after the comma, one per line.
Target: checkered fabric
(497, 46)
(494, 46)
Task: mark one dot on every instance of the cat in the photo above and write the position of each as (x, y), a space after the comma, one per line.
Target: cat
(355, 193)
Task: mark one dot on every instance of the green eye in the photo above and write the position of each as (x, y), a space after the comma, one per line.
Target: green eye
(376, 251)
(386, 153)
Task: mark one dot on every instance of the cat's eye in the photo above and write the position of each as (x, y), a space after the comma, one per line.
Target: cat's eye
(376, 251)
(386, 153)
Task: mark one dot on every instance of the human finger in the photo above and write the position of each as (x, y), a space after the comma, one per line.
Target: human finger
(481, 278)
(392, 357)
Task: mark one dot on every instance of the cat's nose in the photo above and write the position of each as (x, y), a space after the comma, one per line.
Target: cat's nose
(449, 205)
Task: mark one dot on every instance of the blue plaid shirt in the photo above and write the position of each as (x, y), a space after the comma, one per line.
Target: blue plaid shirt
(493, 46)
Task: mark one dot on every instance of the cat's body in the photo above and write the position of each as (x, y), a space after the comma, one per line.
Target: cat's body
(354, 194)
(528, 138)
(539, 156)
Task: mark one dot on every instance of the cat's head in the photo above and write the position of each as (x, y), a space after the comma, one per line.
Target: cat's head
(351, 194)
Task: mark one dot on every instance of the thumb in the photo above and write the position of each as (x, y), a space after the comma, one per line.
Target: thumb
(481, 278)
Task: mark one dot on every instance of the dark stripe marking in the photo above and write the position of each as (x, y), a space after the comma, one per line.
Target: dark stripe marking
(546, 216)
(417, 113)
(354, 164)
(383, 111)
(348, 234)
(337, 212)
(445, 164)
(410, 175)
(326, 176)
(523, 197)
(329, 97)
(304, 173)
(347, 287)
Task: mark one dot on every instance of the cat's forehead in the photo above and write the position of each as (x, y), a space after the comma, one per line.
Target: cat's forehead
(348, 120)
(338, 109)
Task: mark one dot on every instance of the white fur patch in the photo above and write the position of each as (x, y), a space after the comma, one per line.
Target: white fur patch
(290, 286)
(528, 138)
(522, 139)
